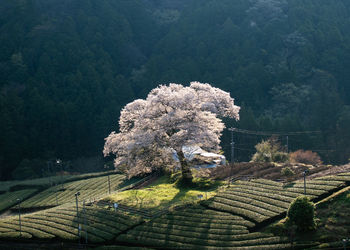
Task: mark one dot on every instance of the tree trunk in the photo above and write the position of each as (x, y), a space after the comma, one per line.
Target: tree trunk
(185, 169)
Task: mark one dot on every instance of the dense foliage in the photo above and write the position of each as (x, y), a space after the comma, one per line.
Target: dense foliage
(68, 67)
(269, 151)
(302, 214)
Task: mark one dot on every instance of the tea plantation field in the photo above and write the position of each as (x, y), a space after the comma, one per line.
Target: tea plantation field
(9, 199)
(46, 182)
(90, 189)
(62, 223)
(259, 200)
(232, 219)
(198, 227)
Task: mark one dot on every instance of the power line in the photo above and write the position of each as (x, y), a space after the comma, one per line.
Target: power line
(252, 133)
(271, 133)
(323, 150)
(245, 149)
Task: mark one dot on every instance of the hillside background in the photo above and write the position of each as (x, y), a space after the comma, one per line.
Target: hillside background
(67, 67)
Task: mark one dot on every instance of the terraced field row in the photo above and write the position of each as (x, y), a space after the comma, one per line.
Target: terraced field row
(47, 181)
(98, 225)
(89, 189)
(198, 228)
(259, 200)
(9, 199)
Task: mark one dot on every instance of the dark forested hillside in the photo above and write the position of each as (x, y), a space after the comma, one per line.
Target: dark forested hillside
(68, 67)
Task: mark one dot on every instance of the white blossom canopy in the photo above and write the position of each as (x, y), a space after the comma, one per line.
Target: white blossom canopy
(170, 117)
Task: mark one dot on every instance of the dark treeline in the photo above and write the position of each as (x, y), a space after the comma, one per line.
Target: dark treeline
(68, 67)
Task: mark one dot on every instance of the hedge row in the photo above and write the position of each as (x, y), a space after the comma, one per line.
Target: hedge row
(278, 196)
(268, 198)
(233, 230)
(223, 236)
(341, 177)
(198, 224)
(205, 219)
(268, 189)
(14, 224)
(256, 201)
(268, 182)
(254, 216)
(170, 240)
(312, 186)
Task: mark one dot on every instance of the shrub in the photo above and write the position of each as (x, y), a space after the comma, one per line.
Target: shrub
(24, 171)
(280, 157)
(269, 151)
(306, 157)
(279, 229)
(301, 213)
(287, 171)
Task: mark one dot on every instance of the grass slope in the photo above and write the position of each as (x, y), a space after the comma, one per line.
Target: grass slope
(333, 217)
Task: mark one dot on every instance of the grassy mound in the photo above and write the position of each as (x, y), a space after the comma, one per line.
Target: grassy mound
(162, 194)
(333, 219)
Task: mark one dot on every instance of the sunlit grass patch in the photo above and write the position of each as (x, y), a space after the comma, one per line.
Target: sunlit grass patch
(163, 193)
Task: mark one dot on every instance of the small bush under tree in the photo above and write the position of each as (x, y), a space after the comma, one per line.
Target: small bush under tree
(301, 213)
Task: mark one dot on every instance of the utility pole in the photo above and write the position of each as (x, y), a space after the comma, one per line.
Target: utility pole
(76, 201)
(232, 145)
(59, 163)
(232, 154)
(305, 173)
(345, 241)
(86, 232)
(56, 195)
(287, 145)
(19, 217)
(109, 185)
(49, 172)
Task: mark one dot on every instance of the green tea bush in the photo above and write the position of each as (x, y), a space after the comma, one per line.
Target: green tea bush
(287, 171)
(302, 214)
(280, 157)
